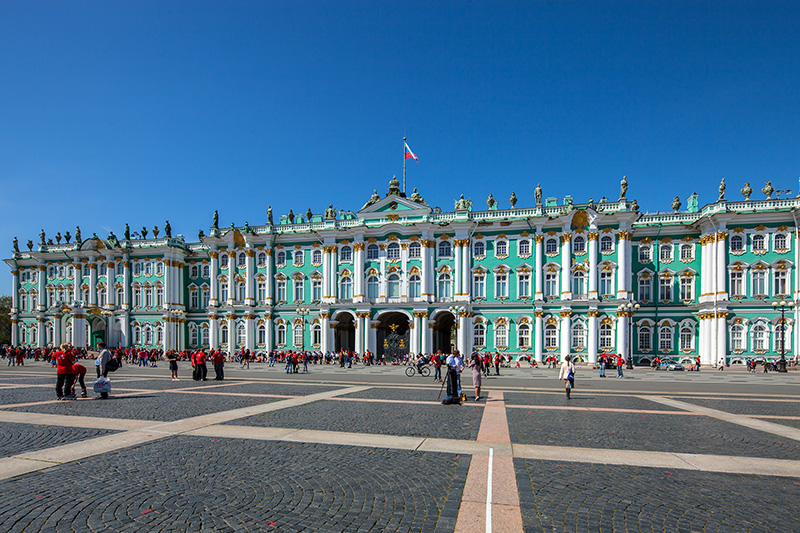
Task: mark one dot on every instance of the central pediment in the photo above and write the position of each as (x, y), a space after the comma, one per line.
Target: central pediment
(395, 203)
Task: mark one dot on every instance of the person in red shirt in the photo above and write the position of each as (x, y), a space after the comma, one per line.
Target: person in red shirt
(200, 366)
(79, 371)
(64, 372)
(219, 365)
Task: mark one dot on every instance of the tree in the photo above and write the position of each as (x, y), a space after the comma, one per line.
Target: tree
(5, 320)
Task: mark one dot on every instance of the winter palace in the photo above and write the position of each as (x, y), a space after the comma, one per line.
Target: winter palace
(559, 278)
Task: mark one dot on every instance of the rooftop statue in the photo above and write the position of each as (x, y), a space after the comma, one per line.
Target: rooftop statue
(269, 215)
(49, 242)
(462, 204)
(623, 188)
(16, 244)
(200, 234)
(635, 205)
(67, 237)
(78, 235)
(30, 245)
(155, 232)
(330, 212)
(247, 227)
(112, 240)
(721, 191)
(537, 194)
(416, 197)
(309, 214)
(676, 204)
(747, 190)
(513, 200)
(127, 233)
(41, 236)
(491, 202)
(394, 186)
(58, 237)
(215, 220)
(167, 230)
(374, 198)
(291, 216)
(768, 190)
(144, 232)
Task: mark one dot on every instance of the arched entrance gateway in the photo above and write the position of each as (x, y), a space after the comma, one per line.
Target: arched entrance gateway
(345, 332)
(393, 336)
(445, 333)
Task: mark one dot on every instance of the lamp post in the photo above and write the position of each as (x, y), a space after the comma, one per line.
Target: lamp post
(302, 312)
(782, 306)
(628, 310)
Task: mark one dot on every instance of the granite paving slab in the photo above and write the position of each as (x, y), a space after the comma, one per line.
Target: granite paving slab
(20, 438)
(285, 389)
(241, 486)
(584, 399)
(746, 407)
(594, 497)
(387, 393)
(652, 432)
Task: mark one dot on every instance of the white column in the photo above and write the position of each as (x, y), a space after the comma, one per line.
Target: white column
(14, 331)
(124, 322)
(705, 339)
(566, 326)
(622, 271)
(466, 265)
(326, 274)
(41, 279)
(40, 332)
(414, 344)
(169, 281)
(427, 270)
(463, 335)
(93, 283)
(359, 293)
(231, 290)
(326, 327)
(14, 291)
(425, 346)
(592, 325)
(539, 258)
(111, 281)
(250, 276)
(57, 330)
(593, 266)
(538, 338)
(720, 292)
(722, 348)
(214, 297)
(566, 268)
(213, 332)
(77, 272)
(622, 335)
(372, 336)
(459, 265)
(249, 329)
(166, 340)
(361, 325)
(78, 328)
(270, 331)
(126, 284)
(270, 284)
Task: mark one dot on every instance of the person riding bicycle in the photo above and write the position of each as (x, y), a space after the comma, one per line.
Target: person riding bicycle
(420, 361)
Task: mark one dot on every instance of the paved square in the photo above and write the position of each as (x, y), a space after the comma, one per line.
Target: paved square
(367, 449)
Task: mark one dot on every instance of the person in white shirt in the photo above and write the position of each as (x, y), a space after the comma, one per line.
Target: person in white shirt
(567, 374)
(456, 363)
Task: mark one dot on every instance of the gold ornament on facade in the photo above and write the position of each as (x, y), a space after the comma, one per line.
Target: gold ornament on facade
(566, 237)
(539, 239)
(593, 312)
(566, 314)
(623, 235)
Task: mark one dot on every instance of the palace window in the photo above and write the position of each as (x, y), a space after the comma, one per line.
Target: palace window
(578, 244)
(241, 335)
(280, 259)
(316, 290)
(241, 260)
(51, 271)
(137, 269)
(61, 271)
(444, 249)
(193, 336)
(550, 337)
(737, 337)
(501, 336)
(345, 254)
(445, 285)
(223, 335)
(70, 271)
(261, 335)
(194, 299)
(501, 285)
(148, 336)
(687, 288)
(393, 282)
(137, 297)
(261, 259)
(103, 269)
(686, 338)
(760, 338)
(223, 292)
(780, 242)
(159, 335)
(280, 290)
(84, 295)
(193, 271)
(665, 288)
(524, 247)
(280, 335)
(759, 243)
(606, 338)
(759, 283)
(414, 286)
(159, 268)
(524, 336)
(686, 252)
(159, 297)
(298, 336)
(665, 339)
(479, 335)
(299, 258)
(501, 248)
(479, 285)
(87, 270)
(148, 297)
(736, 284)
(551, 246)
(204, 336)
(373, 252)
(241, 292)
(393, 251)
(206, 296)
(606, 283)
(316, 335)
(479, 250)
(414, 250)
(665, 253)
(372, 287)
(524, 279)
(551, 285)
(23, 301)
(299, 293)
(262, 292)
(316, 257)
(137, 335)
(606, 244)
(223, 260)
(120, 269)
(781, 284)
(737, 243)
(578, 284)
(346, 288)
(645, 334)
(206, 271)
(578, 336)
(51, 297)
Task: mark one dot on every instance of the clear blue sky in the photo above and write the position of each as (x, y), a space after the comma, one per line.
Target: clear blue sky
(115, 112)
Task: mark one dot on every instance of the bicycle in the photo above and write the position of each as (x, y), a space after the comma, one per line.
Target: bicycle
(412, 369)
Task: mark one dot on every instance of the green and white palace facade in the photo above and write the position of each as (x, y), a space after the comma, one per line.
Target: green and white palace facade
(557, 278)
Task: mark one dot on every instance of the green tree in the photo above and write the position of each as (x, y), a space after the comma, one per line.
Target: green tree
(5, 320)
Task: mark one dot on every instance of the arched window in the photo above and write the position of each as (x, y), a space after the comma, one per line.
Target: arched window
(551, 337)
(159, 335)
(223, 259)
(346, 288)
(780, 242)
(737, 337)
(205, 297)
(524, 336)
(280, 258)
(605, 337)
(206, 271)
(479, 250)
(479, 285)
(298, 336)
(373, 252)
(394, 285)
(241, 335)
(393, 251)
(578, 284)
(261, 291)
(316, 335)
(445, 286)
(137, 269)
(665, 339)
(444, 249)
(686, 338)
(606, 243)
(645, 253)
(479, 335)
(372, 287)
(345, 254)
(261, 335)
(204, 336)
(645, 339)
(280, 289)
(501, 336)
(280, 334)
(223, 335)
(686, 252)
(578, 244)
(299, 290)
(501, 248)
(578, 336)
(193, 336)
(241, 259)
(737, 243)
(159, 268)
(501, 285)
(414, 286)
(606, 283)
(665, 253)
(148, 336)
(316, 257)
(262, 258)
(300, 258)
(758, 243)
(524, 247)
(551, 246)
(137, 334)
(414, 250)
(193, 271)
(51, 271)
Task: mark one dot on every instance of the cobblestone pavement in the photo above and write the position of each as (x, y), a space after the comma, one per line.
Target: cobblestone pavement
(562, 496)
(384, 455)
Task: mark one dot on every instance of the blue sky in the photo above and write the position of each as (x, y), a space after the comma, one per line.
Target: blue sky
(115, 112)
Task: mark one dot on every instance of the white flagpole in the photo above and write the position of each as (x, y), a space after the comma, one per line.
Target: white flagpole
(404, 165)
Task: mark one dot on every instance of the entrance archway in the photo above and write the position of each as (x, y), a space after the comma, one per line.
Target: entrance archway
(98, 332)
(393, 336)
(445, 334)
(345, 332)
